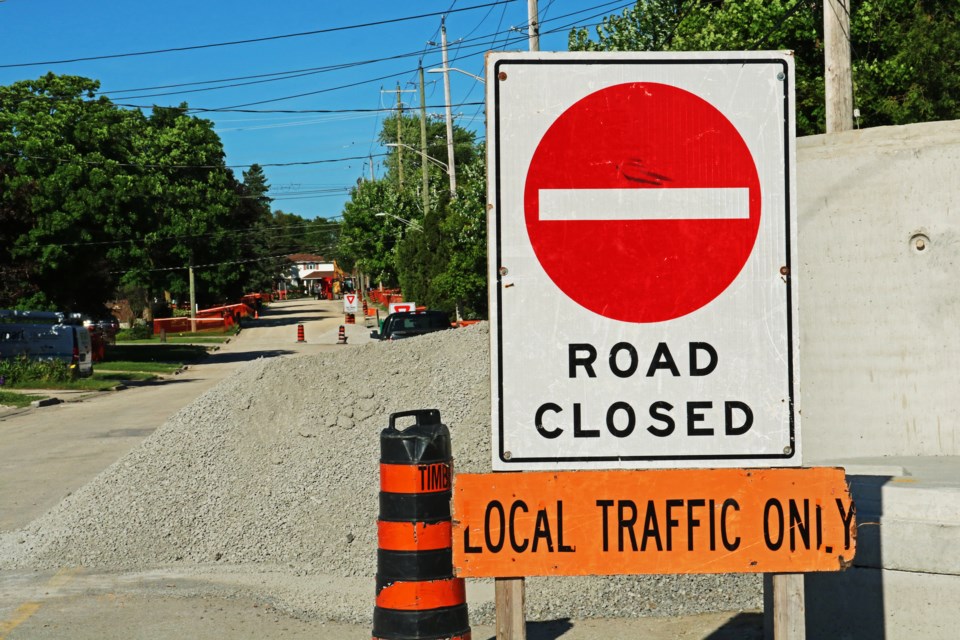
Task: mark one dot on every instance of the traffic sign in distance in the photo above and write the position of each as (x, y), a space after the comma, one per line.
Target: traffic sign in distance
(641, 245)
(351, 303)
(652, 522)
(401, 307)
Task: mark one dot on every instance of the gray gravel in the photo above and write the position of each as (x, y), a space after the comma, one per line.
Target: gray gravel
(277, 467)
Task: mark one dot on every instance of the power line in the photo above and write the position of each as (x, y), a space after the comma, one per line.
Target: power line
(297, 73)
(327, 225)
(189, 166)
(252, 40)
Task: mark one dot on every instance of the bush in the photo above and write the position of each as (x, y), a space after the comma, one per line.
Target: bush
(21, 369)
(136, 332)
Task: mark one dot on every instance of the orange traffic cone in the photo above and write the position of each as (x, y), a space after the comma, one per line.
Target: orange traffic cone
(300, 337)
(342, 337)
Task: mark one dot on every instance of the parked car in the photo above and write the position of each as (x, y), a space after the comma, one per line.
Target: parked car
(408, 324)
(69, 343)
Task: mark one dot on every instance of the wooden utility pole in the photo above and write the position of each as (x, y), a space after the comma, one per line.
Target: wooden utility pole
(399, 137)
(511, 593)
(193, 298)
(423, 145)
(533, 18)
(451, 170)
(837, 75)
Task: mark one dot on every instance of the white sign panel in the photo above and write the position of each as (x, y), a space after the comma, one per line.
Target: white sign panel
(399, 307)
(643, 309)
(351, 303)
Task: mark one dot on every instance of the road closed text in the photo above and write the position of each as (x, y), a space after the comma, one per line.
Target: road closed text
(628, 416)
(659, 521)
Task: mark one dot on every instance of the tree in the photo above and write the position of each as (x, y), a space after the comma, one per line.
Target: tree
(66, 170)
(15, 284)
(438, 257)
(367, 241)
(464, 149)
(97, 199)
(460, 280)
(904, 51)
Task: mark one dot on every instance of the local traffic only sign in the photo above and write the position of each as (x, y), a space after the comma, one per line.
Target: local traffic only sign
(643, 306)
(652, 522)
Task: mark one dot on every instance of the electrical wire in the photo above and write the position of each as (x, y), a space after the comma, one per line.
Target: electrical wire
(251, 40)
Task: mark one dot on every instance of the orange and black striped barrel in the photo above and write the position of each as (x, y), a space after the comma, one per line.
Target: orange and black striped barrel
(417, 596)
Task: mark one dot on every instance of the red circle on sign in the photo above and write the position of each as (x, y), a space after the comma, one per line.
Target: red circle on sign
(645, 268)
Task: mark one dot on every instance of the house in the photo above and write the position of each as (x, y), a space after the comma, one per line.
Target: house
(313, 274)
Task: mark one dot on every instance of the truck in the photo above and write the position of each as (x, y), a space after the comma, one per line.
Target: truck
(408, 324)
(40, 335)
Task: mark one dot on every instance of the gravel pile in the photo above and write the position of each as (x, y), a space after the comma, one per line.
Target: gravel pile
(278, 465)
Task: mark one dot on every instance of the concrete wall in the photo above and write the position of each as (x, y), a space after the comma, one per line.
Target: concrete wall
(879, 311)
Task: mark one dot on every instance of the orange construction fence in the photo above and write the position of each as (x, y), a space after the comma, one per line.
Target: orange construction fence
(184, 325)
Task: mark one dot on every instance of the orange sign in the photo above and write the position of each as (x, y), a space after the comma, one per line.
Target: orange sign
(660, 521)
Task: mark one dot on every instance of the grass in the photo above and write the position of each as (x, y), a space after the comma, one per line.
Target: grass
(123, 363)
(17, 399)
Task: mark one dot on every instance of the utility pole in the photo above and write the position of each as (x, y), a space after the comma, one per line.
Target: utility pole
(399, 140)
(451, 170)
(193, 298)
(423, 146)
(533, 18)
(838, 77)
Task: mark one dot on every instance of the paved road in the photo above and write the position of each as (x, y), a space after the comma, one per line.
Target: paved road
(49, 452)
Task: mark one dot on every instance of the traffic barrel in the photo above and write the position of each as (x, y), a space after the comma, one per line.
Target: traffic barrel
(418, 598)
(349, 318)
(300, 337)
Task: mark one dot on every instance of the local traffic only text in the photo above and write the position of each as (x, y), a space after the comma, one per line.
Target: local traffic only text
(659, 521)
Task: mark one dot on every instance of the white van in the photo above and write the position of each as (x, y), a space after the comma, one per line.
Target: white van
(66, 342)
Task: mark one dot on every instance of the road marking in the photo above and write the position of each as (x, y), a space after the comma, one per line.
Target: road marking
(567, 205)
(26, 610)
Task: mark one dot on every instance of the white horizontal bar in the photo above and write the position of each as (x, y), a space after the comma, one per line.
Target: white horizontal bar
(660, 203)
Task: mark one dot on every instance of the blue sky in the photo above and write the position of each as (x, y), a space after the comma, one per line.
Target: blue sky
(48, 31)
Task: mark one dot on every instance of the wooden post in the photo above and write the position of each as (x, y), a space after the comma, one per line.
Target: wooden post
(509, 599)
(789, 609)
(838, 78)
(511, 592)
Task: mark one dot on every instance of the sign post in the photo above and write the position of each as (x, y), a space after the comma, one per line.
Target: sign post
(643, 314)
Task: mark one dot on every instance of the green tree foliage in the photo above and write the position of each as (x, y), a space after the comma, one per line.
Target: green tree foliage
(906, 64)
(464, 150)
(64, 157)
(905, 52)
(438, 257)
(96, 199)
(460, 279)
(367, 241)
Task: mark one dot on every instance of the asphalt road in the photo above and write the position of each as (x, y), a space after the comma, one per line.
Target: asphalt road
(47, 453)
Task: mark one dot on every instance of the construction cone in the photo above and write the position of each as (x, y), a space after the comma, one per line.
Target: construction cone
(300, 337)
(256, 314)
(342, 337)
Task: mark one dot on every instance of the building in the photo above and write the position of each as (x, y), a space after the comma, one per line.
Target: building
(314, 275)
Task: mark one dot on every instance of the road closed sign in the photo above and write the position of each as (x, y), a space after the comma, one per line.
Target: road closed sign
(643, 307)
